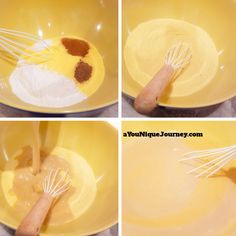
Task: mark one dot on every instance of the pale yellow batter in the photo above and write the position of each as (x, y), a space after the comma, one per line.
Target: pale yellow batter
(149, 42)
(159, 198)
(22, 188)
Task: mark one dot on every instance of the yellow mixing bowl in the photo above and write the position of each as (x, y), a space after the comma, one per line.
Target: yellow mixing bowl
(93, 20)
(137, 220)
(215, 17)
(97, 142)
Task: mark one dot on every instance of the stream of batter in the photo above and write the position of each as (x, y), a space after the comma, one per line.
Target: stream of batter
(36, 147)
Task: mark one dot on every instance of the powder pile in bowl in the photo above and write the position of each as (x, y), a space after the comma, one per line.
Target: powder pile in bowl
(73, 72)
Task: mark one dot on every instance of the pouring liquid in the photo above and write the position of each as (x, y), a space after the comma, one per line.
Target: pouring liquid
(36, 147)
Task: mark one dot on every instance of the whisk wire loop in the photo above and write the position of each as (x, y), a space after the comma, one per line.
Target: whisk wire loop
(178, 56)
(220, 157)
(18, 45)
(56, 182)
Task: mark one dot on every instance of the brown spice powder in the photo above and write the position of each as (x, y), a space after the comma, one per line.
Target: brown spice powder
(83, 72)
(75, 47)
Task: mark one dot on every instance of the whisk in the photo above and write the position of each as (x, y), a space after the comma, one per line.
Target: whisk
(55, 184)
(176, 59)
(213, 160)
(17, 44)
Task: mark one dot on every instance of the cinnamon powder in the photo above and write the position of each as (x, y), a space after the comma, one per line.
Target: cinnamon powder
(75, 47)
(83, 71)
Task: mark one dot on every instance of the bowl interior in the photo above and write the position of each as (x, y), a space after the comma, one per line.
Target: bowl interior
(95, 21)
(215, 134)
(97, 143)
(215, 17)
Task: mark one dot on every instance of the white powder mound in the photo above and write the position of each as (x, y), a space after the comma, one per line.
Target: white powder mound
(41, 87)
(36, 85)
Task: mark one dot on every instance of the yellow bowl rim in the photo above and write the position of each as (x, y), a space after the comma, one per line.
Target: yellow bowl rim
(219, 101)
(66, 111)
(89, 233)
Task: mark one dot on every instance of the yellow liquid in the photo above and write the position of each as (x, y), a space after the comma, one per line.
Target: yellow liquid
(22, 188)
(36, 147)
(160, 198)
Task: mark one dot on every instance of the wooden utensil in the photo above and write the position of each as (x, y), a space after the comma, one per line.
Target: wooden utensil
(177, 58)
(54, 185)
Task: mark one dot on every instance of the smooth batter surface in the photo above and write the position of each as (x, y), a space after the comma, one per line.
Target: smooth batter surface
(159, 198)
(149, 42)
(22, 188)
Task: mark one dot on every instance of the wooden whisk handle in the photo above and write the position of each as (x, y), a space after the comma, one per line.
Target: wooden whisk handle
(31, 224)
(147, 99)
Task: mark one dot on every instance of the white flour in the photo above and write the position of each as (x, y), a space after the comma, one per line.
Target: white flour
(36, 85)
